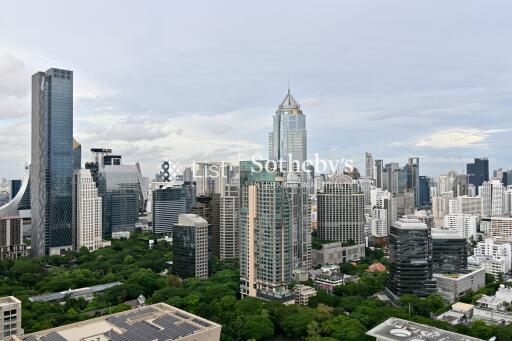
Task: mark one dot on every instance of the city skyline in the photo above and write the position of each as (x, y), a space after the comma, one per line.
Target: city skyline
(191, 95)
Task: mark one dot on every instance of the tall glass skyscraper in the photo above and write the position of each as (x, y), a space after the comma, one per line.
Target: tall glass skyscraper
(52, 161)
(123, 197)
(289, 136)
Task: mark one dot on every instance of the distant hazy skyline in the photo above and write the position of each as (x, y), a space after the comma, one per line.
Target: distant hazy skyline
(200, 80)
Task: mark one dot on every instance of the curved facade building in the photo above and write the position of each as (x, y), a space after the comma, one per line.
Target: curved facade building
(21, 200)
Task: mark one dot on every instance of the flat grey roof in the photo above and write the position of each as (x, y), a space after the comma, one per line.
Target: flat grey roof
(395, 329)
(73, 292)
(159, 321)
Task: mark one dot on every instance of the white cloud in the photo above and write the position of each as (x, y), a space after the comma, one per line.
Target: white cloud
(458, 138)
(13, 77)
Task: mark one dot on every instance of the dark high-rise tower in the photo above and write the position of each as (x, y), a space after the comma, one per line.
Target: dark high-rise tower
(424, 189)
(410, 258)
(449, 251)
(478, 172)
(52, 161)
(413, 178)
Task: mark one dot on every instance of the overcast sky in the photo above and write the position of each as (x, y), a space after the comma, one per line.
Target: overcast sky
(200, 80)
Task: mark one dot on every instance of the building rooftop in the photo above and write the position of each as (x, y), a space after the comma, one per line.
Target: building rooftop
(458, 276)
(395, 329)
(451, 316)
(154, 322)
(446, 234)
(460, 306)
(376, 267)
(8, 300)
(410, 224)
(191, 219)
(73, 293)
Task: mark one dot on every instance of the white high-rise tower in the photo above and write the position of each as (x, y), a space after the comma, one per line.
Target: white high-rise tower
(87, 212)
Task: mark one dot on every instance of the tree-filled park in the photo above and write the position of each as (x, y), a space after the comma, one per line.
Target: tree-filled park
(347, 314)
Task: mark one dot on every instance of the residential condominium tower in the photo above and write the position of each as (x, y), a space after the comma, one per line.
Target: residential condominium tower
(52, 161)
(266, 246)
(229, 219)
(493, 196)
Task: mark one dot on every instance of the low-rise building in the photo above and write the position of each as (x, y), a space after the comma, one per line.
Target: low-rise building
(121, 235)
(300, 275)
(87, 293)
(303, 293)
(459, 313)
(153, 322)
(335, 253)
(328, 277)
(495, 309)
(395, 329)
(10, 314)
(453, 286)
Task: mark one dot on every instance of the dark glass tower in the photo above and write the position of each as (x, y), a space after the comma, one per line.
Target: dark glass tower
(122, 196)
(478, 172)
(15, 187)
(52, 161)
(208, 207)
(410, 258)
(168, 204)
(424, 189)
(449, 251)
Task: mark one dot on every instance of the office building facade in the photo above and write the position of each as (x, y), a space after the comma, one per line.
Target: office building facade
(340, 210)
(478, 172)
(167, 204)
(123, 197)
(190, 246)
(208, 207)
(449, 251)
(410, 257)
(424, 190)
(52, 161)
